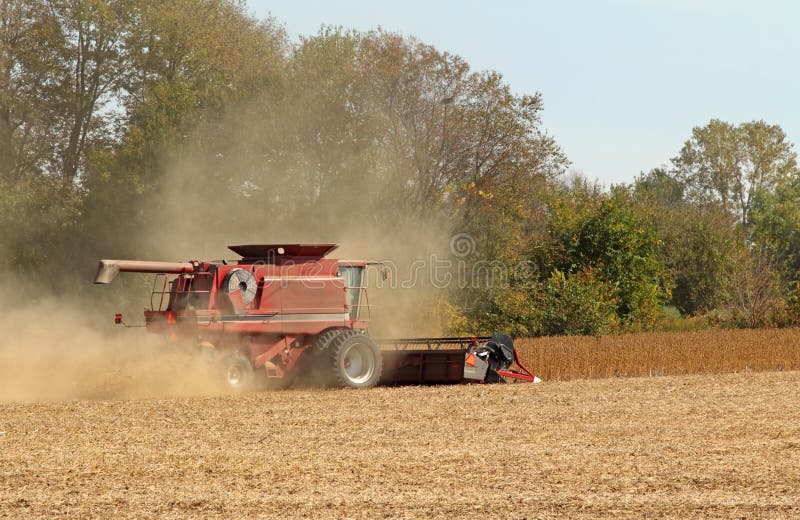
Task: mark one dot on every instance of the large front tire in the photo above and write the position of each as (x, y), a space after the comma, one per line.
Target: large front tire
(354, 361)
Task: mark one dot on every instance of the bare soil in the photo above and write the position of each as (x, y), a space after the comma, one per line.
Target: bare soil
(713, 445)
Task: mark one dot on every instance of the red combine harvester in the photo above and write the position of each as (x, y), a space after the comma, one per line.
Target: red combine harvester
(286, 310)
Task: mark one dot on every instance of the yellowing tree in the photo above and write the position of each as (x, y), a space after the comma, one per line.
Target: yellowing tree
(731, 164)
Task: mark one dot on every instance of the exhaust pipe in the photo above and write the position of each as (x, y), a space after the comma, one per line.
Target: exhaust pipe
(107, 270)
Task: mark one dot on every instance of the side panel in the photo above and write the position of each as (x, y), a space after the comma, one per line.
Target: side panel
(292, 299)
(318, 295)
(310, 305)
(270, 296)
(402, 367)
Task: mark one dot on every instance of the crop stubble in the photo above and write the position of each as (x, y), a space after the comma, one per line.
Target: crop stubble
(664, 446)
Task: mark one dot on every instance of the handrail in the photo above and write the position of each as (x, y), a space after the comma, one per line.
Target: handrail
(180, 290)
(363, 296)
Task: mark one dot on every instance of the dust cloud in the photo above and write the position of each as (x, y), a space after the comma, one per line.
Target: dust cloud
(51, 349)
(59, 347)
(232, 189)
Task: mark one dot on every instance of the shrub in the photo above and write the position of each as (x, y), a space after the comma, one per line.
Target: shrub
(575, 304)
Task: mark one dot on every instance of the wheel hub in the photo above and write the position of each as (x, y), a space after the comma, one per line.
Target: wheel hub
(358, 362)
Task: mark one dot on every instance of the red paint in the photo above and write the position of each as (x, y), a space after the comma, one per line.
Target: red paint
(525, 375)
(299, 293)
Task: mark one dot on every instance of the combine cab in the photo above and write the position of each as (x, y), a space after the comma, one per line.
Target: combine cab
(284, 311)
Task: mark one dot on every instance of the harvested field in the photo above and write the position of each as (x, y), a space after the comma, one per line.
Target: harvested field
(722, 445)
(662, 353)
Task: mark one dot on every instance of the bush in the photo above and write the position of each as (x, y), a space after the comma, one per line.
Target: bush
(580, 303)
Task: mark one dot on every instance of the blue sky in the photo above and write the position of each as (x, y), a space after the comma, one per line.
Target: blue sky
(623, 81)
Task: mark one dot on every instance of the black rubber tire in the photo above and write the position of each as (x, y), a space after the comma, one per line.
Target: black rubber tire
(237, 372)
(322, 341)
(319, 364)
(350, 360)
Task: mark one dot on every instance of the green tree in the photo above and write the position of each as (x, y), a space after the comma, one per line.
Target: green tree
(699, 241)
(621, 247)
(194, 63)
(776, 228)
(31, 47)
(755, 292)
(579, 303)
(730, 164)
(702, 257)
(453, 140)
(50, 94)
(93, 72)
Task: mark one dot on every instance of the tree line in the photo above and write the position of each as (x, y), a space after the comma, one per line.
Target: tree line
(129, 127)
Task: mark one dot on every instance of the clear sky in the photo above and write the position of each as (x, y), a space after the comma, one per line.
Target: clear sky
(623, 81)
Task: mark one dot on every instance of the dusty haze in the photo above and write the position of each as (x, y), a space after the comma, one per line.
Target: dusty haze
(295, 199)
(52, 350)
(63, 347)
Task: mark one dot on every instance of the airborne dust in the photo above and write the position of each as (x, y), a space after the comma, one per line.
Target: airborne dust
(57, 346)
(54, 349)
